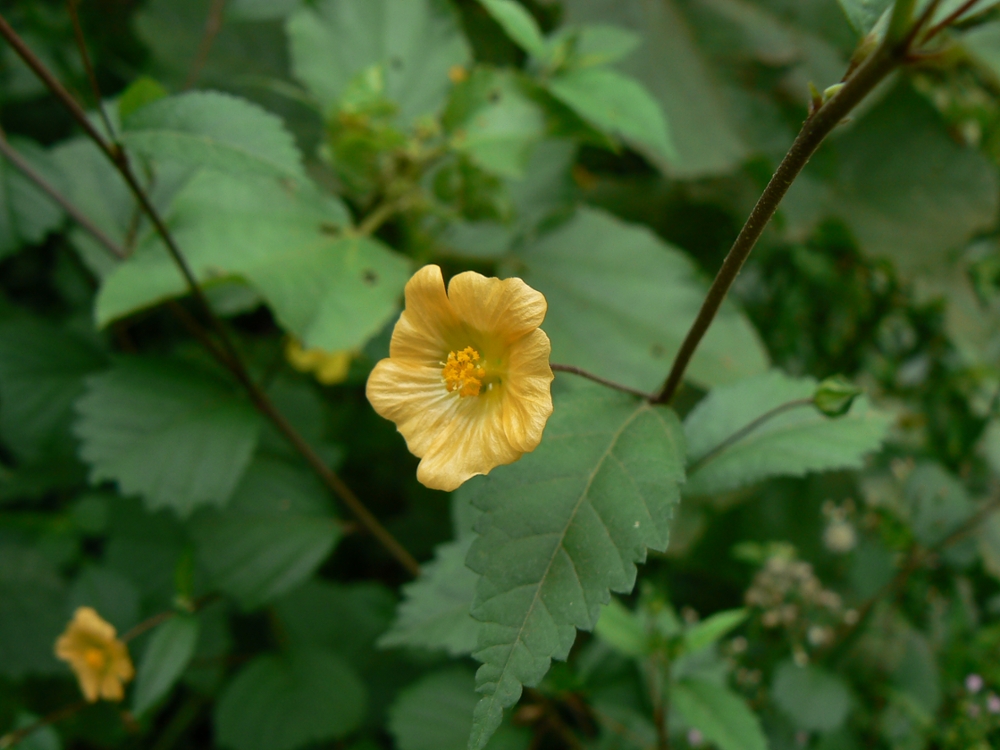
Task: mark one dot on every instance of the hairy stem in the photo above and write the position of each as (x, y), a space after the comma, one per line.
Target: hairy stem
(888, 56)
(230, 357)
(573, 370)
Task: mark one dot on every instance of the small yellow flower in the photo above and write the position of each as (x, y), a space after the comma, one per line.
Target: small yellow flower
(100, 661)
(467, 381)
(329, 368)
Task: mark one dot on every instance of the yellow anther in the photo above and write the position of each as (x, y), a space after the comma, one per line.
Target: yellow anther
(95, 658)
(462, 372)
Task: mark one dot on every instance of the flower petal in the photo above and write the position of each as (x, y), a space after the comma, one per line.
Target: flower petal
(527, 397)
(507, 308)
(472, 442)
(423, 329)
(414, 397)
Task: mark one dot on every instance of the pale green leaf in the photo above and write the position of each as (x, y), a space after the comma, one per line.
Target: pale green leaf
(622, 630)
(42, 369)
(162, 429)
(275, 533)
(142, 91)
(722, 717)
(863, 14)
(618, 105)
(988, 538)
(621, 301)
(597, 44)
(561, 529)
(26, 213)
(33, 611)
(415, 42)
(331, 290)
(813, 698)
(938, 504)
(434, 613)
(983, 43)
(214, 130)
(284, 702)
(518, 24)
(792, 443)
(168, 652)
(492, 119)
(711, 629)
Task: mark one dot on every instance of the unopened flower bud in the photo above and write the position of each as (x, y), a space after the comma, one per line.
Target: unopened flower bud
(835, 395)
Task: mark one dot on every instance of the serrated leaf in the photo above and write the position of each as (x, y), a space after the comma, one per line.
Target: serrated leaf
(284, 702)
(793, 443)
(493, 120)
(434, 613)
(415, 42)
(561, 529)
(26, 213)
(42, 371)
(167, 654)
(161, 429)
(722, 717)
(33, 611)
(331, 290)
(711, 629)
(273, 536)
(621, 301)
(618, 105)
(518, 24)
(814, 699)
(213, 130)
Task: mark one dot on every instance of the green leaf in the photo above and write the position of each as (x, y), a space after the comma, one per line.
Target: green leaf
(108, 591)
(164, 430)
(275, 533)
(671, 66)
(792, 443)
(494, 121)
(32, 611)
(863, 14)
(284, 702)
(26, 213)
(142, 91)
(415, 42)
(331, 290)
(708, 631)
(42, 371)
(618, 105)
(621, 301)
(518, 24)
(597, 44)
(166, 656)
(434, 613)
(722, 717)
(561, 529)
(41, 738)
(622, 630)
(213, 130)
(814, 699)
(939, 503)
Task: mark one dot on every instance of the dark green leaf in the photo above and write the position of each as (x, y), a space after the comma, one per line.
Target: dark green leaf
(938, 504)
(161, 429)
(167, 654)
(621, 301)
(415, 43)
(561, 529)
(284, 702)
(722, 717)
(33, 611)
(26, 213)
(814, 699)
(110, 593)
(792, 443)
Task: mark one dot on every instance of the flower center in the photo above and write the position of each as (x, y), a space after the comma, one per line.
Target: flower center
(463, 373)
(94, 657)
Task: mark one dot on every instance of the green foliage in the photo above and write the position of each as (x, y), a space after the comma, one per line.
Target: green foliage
(541, 581)
(29, 214)
(721, 716)
(168, 652)
(813, 699)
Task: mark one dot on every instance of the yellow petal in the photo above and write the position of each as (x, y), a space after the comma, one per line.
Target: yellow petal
(428, 322)
(507, 308)
(414, 397)
(528, 391)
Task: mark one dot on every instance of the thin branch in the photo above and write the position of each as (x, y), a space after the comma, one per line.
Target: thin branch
(151, 622)
(74, 213)
(817, 126)
(89, 67)
(573, 370)
(213, 25)
(948, 20)
(231, 359)
(19, 735)
(744, 431)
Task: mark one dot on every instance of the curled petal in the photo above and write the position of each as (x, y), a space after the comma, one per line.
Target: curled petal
(528, 397)
(507, 308)
(428, 321)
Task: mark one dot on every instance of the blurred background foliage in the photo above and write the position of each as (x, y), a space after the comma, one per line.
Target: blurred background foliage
(308, 156)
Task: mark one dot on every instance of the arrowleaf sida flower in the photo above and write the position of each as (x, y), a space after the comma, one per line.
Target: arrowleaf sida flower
(94, 652)
(467, 381)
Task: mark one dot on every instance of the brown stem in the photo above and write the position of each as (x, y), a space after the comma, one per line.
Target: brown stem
(815, 129)
(89, 67)
(948, 20)
(573, 370)
(213, 25)
(19, 735)
(744, 431)
(151, 622)
(231, 359)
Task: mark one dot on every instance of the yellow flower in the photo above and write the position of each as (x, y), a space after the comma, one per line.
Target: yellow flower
(100, 661)
(468, 380)
(329, 368)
